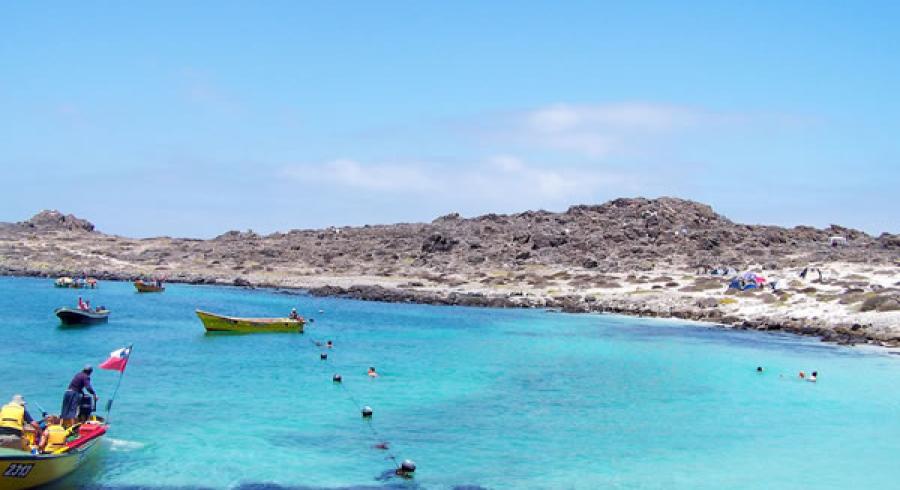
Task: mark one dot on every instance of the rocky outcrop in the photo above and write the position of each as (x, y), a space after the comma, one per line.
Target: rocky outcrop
(49, 220)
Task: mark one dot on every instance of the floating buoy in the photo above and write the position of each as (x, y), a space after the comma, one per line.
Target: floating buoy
(366, 411)
(336, 378)
(407, 468)
(323, 356)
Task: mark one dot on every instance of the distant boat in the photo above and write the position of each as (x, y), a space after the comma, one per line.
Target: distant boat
(221, 323)
(63, 282)
(25, 470)
(68, 282)
(74, 316)
(149, 287)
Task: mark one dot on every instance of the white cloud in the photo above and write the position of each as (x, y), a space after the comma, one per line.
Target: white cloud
(604, 130)
(503, 179)
(624, 116)
(350, 173)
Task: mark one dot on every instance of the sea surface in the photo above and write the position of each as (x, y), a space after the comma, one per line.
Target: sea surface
(476, 397)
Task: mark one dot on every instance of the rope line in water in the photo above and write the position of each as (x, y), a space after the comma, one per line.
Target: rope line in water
(352, 399)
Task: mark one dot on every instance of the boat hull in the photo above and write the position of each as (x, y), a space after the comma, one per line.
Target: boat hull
(143, 287)
(71, 316)
(19, 470)
(221, 323)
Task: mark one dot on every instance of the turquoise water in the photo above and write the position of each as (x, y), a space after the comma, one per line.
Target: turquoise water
(476, 397)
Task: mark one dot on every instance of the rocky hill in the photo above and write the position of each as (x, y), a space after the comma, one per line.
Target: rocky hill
(623, 235)
(635, 256)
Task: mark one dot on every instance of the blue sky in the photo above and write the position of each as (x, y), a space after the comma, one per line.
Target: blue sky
(193, 118)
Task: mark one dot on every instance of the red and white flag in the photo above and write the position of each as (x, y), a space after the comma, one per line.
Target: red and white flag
(117, 360)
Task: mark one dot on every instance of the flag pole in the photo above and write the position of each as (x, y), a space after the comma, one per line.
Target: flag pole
(109, 402)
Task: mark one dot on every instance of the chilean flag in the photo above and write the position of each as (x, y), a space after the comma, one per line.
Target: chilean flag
(117, 360)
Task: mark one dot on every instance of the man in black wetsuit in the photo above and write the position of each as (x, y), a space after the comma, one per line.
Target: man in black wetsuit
(74, 394)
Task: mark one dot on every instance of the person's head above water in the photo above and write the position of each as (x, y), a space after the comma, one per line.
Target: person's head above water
(758, 369)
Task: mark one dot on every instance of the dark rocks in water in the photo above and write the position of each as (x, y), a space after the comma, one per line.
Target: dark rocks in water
(240, 281)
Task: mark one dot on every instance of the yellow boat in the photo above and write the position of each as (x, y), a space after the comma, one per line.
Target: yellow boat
(221, 323)
(148, 287)
(21, 469)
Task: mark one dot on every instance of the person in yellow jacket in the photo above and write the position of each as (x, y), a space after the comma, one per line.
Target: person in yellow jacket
(13, 417)
(54, 436)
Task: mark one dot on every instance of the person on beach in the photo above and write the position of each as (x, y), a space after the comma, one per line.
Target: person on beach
(72, 398)
(13, 418)
(372, 373)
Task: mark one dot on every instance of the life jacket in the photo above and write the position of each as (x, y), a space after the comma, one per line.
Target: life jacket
(56, 438)
(12, 416)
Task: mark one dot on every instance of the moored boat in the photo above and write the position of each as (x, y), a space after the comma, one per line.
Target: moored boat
(63, 282)
(221, 323)
(149, 287)
(75, 316)
(21, 469)
(79, 283)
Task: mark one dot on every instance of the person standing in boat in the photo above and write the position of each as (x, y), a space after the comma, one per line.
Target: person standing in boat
(72, 398)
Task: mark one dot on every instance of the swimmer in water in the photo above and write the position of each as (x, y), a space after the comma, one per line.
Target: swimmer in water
(812, 377)
(759, 369)
(802, 375)
(329, 344)
(372, 373)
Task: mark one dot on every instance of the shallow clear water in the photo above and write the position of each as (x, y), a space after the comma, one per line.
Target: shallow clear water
(477, 397)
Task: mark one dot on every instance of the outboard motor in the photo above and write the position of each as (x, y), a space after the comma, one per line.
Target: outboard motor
(86, 408)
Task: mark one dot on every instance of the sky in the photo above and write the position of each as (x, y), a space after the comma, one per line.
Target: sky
(194, 118)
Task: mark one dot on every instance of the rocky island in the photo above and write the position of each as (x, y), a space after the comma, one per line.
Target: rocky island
(663, 257)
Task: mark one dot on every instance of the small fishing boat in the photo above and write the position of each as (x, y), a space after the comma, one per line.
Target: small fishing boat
(74, 316)
(63, 282)
(149, 287)
(221, 323)
(21, 469)
(80, 283)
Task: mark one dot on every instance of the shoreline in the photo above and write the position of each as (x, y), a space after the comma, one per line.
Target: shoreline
(393, 290)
